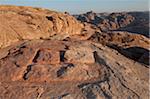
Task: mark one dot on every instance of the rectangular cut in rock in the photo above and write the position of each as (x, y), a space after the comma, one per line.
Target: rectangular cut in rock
(80, 55)
(47, 56)
(55, 59)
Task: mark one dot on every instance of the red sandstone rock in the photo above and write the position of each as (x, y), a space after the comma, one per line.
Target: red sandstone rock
(29, 70)
(19, 23)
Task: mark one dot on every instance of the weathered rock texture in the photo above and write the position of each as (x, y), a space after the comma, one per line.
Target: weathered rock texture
(133, 46)
(74, 69)
(49, 55)
(21, 23)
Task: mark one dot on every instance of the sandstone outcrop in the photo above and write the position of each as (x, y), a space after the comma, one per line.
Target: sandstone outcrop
(22, 23)
(133, 46)
(60, 69)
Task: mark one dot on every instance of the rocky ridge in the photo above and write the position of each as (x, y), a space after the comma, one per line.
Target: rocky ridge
(26, 23)
(134, 22)
(106, 22)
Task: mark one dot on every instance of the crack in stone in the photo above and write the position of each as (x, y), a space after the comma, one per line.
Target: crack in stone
(25, 76)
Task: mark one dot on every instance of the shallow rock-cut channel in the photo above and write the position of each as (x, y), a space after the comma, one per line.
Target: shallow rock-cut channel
(43, 69)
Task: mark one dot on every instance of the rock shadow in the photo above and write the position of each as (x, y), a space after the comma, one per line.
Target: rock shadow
(138, 54)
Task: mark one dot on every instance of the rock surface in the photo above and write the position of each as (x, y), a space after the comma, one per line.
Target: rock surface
(106, 22)
(134, 22)
(21, 23)
(140, 25)
(133, 46)
(50, 55)
(41, 69)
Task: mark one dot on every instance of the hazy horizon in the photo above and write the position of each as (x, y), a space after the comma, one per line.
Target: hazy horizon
(82, 6)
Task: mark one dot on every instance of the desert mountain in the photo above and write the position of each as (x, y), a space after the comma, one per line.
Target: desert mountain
(46, 54)
(134, 22)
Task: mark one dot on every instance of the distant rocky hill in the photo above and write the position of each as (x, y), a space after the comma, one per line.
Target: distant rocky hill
(140, 25)
(46, 54)
(135, 22)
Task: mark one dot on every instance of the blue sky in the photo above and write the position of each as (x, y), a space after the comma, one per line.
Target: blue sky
(80, 6)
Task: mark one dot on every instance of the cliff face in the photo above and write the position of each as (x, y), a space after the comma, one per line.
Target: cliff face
(50, 55)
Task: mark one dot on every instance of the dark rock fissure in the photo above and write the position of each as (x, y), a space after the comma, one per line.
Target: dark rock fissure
(62, 58)
(49, 18)
(25, 76)
(64, 69)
